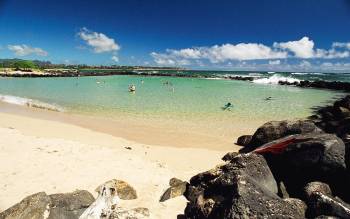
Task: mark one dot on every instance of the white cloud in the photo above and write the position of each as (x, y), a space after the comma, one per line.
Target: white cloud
(115, 58)
(303, 48)
(241, 51)
(24, 50)
(169, 60)
(305, 64)
(330, 54)
(217, 54)
(341, 45)
(275, 62)
(98, 41)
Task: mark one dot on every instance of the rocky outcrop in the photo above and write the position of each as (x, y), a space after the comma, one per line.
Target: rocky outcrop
(177, 188)
(56, 206)
(271, 131)
(308, 162)
(230, 191)
(321, 202)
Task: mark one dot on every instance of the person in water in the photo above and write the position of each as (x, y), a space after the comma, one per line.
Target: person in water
(227, 106)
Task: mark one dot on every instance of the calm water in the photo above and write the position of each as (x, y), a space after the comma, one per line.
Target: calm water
(183, 99)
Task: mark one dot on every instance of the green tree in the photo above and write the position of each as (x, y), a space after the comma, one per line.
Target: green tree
(24, 65)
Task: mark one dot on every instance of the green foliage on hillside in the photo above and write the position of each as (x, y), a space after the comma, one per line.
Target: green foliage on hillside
(24, 65)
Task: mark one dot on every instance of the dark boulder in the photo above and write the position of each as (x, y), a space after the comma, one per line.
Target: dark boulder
(321, 202)
(56, 206)
(306, 158)
(278, 129)
(244, 140)
(229, 156)
(242, 188)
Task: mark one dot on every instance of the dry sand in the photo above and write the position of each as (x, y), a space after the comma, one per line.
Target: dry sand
(38, 154)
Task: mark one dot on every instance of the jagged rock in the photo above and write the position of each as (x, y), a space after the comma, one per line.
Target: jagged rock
(310, 157)
(56, 206)
(243, 188)
(244, 140)
(313, 187)
(229, 156)
(299, 205)
(177, 188)
(321, 202)
(135, 213)
(319, 151)
(282, 191)
(277, 129)
(124, 190)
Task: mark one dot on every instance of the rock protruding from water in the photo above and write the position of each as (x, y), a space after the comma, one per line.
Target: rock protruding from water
(56, 206)
(242, 188)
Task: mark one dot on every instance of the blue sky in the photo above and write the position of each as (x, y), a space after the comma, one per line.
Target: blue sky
(300, 35)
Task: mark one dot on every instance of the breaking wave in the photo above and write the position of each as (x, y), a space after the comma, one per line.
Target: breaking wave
(274, 79)
(30, 103)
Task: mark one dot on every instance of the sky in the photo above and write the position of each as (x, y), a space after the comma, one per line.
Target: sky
(272, 35)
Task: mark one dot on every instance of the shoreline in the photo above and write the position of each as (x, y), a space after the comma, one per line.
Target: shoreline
(38, 154)
(140, 131)
(318, 84)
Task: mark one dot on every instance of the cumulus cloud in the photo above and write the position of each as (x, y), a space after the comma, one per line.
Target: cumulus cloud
(303, 48)
(217, 54)
(275, 62)
(98, 41)
(24, 50)
(115, 58)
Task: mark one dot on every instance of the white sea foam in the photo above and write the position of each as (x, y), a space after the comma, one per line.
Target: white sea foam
(300, 73)
(30, 103)
(274, 79)
(307, 73)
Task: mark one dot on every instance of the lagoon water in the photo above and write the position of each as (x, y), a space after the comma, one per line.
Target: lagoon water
(188, 99)
(186, 106)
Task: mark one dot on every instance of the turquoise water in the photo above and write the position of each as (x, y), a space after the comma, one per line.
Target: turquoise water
(184, 99)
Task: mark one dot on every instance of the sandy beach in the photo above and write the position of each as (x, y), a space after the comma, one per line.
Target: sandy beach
(38, 154)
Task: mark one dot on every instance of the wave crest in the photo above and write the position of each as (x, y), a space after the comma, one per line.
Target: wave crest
(274, 79)
(30, 103)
